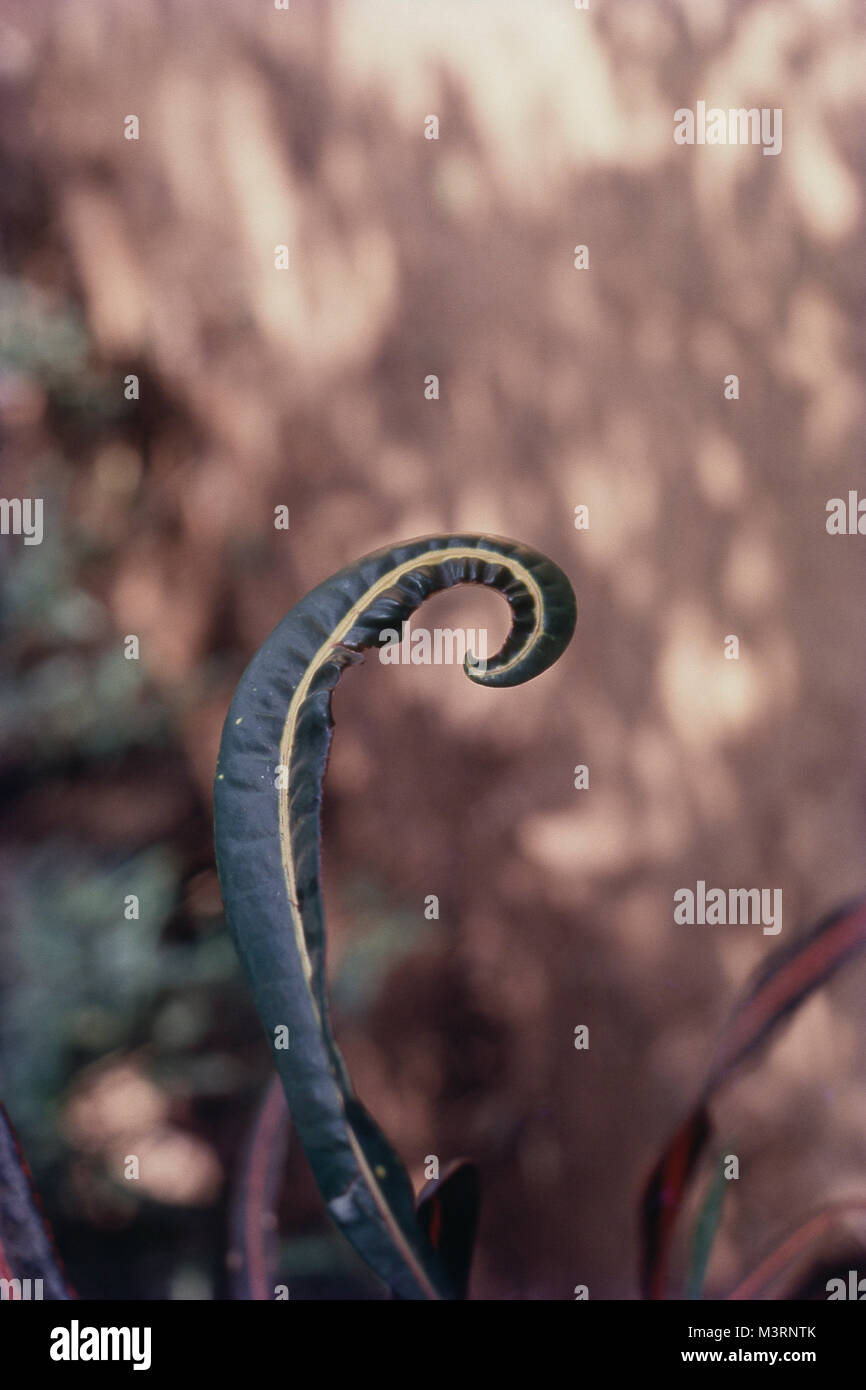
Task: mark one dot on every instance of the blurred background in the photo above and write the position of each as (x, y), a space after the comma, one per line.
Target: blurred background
(304, 387)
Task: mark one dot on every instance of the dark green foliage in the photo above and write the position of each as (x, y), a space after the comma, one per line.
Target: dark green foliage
(26, 1244)
(267, 811)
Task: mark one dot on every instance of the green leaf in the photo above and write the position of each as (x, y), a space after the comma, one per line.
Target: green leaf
(781, 984)
(268, 850)
(448, 1209)
(706, 1229)
(27, 1249)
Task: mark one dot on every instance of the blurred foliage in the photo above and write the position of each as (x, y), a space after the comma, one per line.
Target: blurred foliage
(65, 692)
(83, 980)
(44, 338)
(382, 936)
(45, 341)
(82, 986)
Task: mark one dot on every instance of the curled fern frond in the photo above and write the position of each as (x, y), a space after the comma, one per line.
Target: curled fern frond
(268, 796)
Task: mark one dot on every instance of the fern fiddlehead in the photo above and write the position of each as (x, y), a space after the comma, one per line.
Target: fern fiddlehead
(268, 794)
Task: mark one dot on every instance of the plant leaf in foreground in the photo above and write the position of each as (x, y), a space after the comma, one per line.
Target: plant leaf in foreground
(267, 805)
(780, 985)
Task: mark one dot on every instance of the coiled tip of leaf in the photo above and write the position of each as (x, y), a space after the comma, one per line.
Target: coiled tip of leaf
(531, 648)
